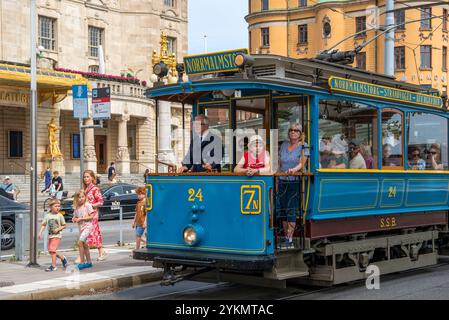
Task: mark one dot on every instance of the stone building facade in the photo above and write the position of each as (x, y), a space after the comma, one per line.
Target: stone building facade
(300, 29)
(70, 33)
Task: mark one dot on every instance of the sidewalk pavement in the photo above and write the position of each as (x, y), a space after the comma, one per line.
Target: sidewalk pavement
(119, 270)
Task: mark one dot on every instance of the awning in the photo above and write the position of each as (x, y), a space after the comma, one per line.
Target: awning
(51, 84)
(47, 80)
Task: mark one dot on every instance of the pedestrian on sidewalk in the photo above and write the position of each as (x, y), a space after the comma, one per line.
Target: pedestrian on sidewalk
(95, 198)
(56, 223)
(140, 221)
(9, 187)
(47, 180)
(83, 215)
(112, 173)
(57, 186)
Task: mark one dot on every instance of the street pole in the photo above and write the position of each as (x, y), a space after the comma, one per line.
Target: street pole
(33, 120)
(389, 39)
(81, 153)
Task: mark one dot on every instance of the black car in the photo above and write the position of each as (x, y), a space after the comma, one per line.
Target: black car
(114, 195)
(8, 210)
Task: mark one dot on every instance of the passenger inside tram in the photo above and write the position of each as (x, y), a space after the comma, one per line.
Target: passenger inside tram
(365, 150)
(339, 147)
(255, 161)
(356, 159)
(434, 158)
(196, 160)
(293, 156)
(415, 161)
(388, 159)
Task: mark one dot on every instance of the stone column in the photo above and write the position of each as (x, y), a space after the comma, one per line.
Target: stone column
(122, 159)
(166, 153)
(90, 158)
(146, 144)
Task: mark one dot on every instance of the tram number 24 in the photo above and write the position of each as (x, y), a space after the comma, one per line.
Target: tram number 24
(195, 194)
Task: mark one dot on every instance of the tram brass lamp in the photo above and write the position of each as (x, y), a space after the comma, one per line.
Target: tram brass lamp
(164, 64)
(243, 60)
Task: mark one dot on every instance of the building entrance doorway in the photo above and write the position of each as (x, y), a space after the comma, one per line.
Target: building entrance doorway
(101, 152)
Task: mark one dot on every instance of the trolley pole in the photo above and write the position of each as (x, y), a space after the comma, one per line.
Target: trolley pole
(389, 39)
(33, 120)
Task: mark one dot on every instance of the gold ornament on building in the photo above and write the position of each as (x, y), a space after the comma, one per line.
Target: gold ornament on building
(168, 59)
(53, 147)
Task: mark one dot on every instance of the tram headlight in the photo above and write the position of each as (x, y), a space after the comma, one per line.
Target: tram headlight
(192, 234)
(241, 60)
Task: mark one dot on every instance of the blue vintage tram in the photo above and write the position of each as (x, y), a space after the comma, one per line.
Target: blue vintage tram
(392, 213)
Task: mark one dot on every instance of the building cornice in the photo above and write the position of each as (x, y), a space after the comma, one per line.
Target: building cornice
(317, 6)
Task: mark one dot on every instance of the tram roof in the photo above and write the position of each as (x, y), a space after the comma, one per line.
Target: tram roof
(273, 71)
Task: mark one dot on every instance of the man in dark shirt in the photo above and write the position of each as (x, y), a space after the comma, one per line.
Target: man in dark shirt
(195, 160)
(111, 171)
(57, 182)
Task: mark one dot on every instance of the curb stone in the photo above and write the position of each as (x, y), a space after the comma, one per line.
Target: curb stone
(86, 288)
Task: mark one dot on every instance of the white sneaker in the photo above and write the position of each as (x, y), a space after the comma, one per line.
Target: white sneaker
(103, 256)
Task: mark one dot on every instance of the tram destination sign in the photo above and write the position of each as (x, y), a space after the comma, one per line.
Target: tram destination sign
(212, 62)
(381, 92)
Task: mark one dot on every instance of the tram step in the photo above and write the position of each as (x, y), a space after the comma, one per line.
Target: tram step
(291, 275)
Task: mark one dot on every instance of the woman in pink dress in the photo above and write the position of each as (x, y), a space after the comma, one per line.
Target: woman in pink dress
(95, 198)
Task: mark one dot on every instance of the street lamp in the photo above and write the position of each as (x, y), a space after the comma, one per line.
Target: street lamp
(33, 121)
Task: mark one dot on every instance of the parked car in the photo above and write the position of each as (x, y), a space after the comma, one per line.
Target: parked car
(114, 196)
(8, 209)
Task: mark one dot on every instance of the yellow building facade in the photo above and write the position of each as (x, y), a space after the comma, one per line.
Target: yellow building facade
(303, 28)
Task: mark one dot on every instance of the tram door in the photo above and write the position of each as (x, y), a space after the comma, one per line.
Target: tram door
(291, 192)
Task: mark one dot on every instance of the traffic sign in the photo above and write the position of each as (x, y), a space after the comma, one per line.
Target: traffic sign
(101, 103)
(80, 102)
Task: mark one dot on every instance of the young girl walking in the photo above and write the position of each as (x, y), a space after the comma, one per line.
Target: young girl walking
(83, 215)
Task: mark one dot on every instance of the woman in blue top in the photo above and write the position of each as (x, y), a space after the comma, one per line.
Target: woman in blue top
(292, 159)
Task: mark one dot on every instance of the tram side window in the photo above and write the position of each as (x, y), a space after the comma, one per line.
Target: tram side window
(392, 139)
(347, 132)
(427, 142)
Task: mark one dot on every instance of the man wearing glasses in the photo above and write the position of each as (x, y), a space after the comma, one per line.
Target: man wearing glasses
(204, 154)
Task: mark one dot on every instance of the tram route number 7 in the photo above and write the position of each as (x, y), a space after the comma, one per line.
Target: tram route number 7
(250, 199)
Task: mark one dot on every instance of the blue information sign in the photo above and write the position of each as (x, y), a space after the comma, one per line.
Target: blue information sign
(80, 102)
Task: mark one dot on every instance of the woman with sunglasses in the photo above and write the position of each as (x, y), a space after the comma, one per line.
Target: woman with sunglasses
(416, 162)
(292, 159)
(434, 158)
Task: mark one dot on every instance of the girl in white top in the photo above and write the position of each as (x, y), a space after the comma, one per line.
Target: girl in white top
(83, 215)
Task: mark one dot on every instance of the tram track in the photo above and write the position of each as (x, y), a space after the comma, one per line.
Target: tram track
(196, 290)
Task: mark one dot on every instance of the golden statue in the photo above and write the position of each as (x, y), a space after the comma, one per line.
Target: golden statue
(53, 147)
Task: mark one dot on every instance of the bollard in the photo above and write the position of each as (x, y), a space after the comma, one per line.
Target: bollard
(19, 236)
(1, 237)
(46, 239)
(121, 231)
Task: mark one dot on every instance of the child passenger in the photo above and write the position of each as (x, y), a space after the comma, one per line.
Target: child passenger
(83, 215)
(140, 219)
(56, 223)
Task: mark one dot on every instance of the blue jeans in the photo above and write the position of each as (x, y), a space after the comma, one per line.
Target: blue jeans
(288, 200)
